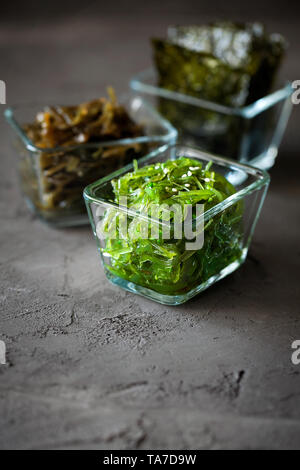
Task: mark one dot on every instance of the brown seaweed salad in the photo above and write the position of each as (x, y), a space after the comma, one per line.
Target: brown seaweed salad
(64, 165)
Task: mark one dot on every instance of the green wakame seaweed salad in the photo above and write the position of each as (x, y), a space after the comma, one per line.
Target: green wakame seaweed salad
(165, 265)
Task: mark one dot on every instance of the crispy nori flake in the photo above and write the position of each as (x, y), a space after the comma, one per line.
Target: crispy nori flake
(228, 63)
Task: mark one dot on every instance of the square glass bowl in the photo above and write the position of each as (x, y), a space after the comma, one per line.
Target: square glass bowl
(249, 134)
(227, 227)
(60, 202)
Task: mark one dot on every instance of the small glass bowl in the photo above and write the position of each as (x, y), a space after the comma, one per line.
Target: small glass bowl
(37, 187)
(251, 185)
(249, 134)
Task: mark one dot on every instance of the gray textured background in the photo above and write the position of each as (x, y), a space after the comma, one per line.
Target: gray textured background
(90, 366)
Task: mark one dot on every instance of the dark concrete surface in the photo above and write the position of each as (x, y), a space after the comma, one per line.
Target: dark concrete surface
(90, 366)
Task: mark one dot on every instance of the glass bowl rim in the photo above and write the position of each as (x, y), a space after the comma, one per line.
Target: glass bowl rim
(171, 132)
(137, 84)
(262, 179)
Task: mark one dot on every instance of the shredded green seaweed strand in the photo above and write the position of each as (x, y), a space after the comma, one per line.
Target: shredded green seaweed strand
(142, 255)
